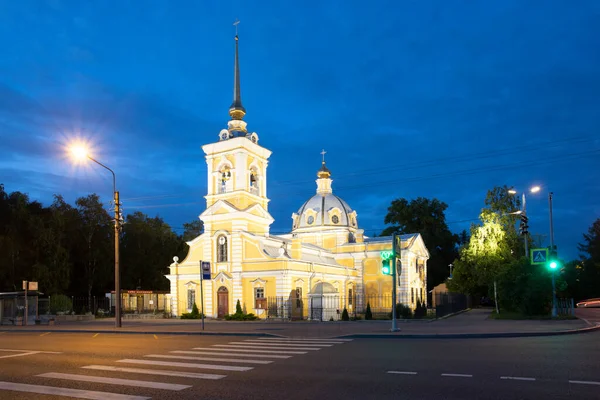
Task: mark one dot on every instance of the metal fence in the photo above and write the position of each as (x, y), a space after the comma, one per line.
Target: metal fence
(448, 303)
(326, 307)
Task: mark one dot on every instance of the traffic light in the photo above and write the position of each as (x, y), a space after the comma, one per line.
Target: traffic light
(524, 227)
(386, 267)
(553, 261)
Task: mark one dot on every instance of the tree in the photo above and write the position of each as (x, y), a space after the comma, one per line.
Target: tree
(146, 244)
(95, 242)
(589, 266)
(192, 229)
(427, 217)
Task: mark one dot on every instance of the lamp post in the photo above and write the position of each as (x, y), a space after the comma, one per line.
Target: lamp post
(80, 153)
(523, 213)
(553, 260)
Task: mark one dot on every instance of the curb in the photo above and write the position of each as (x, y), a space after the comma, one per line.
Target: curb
(180, 333)
(468, 335)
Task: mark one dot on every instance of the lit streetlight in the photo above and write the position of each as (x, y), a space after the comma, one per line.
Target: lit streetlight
(81, 153)
(553, 263)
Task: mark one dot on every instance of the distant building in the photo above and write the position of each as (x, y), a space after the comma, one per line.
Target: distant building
(325, 263)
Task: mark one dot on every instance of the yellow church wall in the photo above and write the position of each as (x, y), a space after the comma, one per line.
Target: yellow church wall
(329, 242)
(371, 267)
(252, 250)
(347, 262)
(267, 282)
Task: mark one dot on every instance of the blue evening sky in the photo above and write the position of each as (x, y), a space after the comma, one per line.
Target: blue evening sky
(441, 99)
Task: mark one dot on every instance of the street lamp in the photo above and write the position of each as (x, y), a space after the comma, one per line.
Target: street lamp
(553, 264)
(80, 152)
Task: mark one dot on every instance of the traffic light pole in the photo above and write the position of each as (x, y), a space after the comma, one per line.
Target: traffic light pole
(553, 253)
(394, 274)
(526, 235)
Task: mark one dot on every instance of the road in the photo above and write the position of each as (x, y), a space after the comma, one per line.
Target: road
(133, 367)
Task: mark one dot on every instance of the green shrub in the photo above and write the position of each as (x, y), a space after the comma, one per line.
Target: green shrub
(368, 313)
(345, 316)
(403, 311)
(421, 310)
(240, 315)
(238, 308)
(195, 314)
(60, 303)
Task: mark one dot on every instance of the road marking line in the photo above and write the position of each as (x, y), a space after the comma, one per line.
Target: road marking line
(459, 375)
(20, 354)
(402, 372)
(155, 337)
(58, 391)
(187, 365)
(242, 345)
(115, 381)
(210, 359)
(307, 339)
(210, 353)
(287, 344)
(44, 334)
(517, 378)
(154, 372)
(243, 350)
(37, 351)
(95, 335)
(585, 382)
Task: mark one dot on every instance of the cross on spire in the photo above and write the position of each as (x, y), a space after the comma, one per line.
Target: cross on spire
(323, 154)
(236, 23)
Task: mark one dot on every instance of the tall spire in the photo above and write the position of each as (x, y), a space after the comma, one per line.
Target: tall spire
(236, 110)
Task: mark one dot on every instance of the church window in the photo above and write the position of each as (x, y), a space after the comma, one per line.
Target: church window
(335, 219)
(224, 177)
(350, 296)
(310, 219)
(222, 249)
(298, 297)
(412, 295)
(253, 182)
(351, 238)
(259, 298)
(191, 298)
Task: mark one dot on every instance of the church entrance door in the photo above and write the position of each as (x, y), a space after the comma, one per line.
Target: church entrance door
(222, 302)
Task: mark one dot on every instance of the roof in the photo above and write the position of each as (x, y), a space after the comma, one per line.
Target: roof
(315, 212)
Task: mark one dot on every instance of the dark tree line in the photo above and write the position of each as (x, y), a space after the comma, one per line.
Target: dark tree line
(69, 249)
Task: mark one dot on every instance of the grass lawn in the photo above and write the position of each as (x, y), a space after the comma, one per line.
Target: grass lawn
(516, 315)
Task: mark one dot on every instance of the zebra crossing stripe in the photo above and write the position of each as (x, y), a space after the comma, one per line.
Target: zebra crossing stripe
(114, 381)
(243, 345)
(305, 339)
(280, 344)
(241, 349)
(154, 372)
(210, 359)
(211, 352)
(58, 391)
(186, 365)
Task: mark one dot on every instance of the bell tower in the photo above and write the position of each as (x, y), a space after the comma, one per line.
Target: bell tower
(237, 168)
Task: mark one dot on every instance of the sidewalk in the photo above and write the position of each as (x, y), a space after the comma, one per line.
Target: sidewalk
(470, 324)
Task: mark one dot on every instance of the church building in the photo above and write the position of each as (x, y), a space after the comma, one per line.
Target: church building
(325, 264)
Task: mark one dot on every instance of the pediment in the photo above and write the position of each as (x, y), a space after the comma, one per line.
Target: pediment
(223, 276)
(418, 247)
(259, 211)
(219, 207)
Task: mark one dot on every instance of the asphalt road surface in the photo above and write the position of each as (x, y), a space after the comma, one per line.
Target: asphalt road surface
(130, 367)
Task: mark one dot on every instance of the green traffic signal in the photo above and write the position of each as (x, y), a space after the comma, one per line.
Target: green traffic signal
(385, 267)
(553, 264)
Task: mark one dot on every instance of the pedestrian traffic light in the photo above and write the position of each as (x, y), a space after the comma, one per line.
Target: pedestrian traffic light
(386, 267)
(553, 262)
(524, 227)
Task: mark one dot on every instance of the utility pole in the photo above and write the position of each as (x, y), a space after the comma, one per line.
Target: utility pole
(117, 259)
(552, 255)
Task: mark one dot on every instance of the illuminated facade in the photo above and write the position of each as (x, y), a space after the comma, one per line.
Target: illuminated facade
(325, 263)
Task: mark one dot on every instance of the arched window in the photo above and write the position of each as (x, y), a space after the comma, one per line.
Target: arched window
(253, 181)
(222, 249)
(224, 177)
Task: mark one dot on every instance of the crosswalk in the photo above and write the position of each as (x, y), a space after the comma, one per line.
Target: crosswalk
(217, 360)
